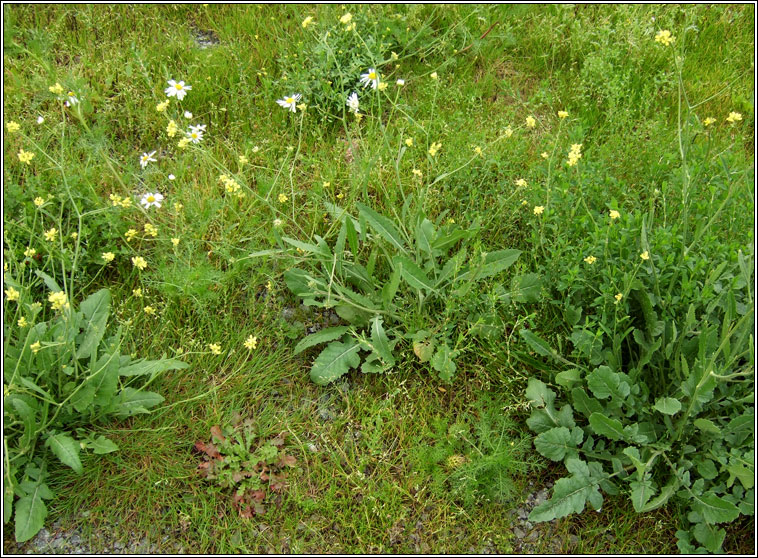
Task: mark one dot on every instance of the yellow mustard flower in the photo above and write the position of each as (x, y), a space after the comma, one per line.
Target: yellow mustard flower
(130, 234)
(618, 298)
(175, 242)
(108, 257)
(251, 343)
(12, 294)
(25, 157)
(538, 209)
(283, 198)
(530, 122)
(664, 37)
(151, 230)
(645, 255)
(215, 348)
(708, 121)
(51, 234)
(22, 322)
(307, 21)
(58, 300)
(734, 117)
(590, 259)
(56, 89)
(29, 252)
(613, 214)
(161, 107)
(12, 127)
(139, 262)
(409, 142)
(562, 114)
(434, 148)
(36, 346)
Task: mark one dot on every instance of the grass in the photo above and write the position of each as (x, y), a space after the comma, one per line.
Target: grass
(365, 488)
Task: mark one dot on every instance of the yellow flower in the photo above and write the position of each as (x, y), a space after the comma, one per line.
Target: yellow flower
(562, 114)
(614, 214)
(346, 18)
(126, 203)
(25, 156)
(358, 116)
(645, 255)
(183, 143)
(340, 196)
(307, 21)
(478, 150)
(618, 298)
(151, 230)
(178, 207)
(58, 300)
(56, 89)
(39, 202)
(242, 160)
(36, 346)
(215, 348)
(161, 107)
(139, 262)
(149, 310)
(508, 132)
(11, 293)
(521, 183)
(108, 257)
(175, 242)
(171, 129)
(137, 293)
(433, 75)
(22, 322)
(664, 37)
(434, 148)
(538, 209)
(382, 85)
(409, 142)
(251, 342)
(326, 184)
(350, 27)
(530, 122)
(417, 173)
(394, 56)
(51, 234)
(29, 252)
(575, 153)
(590, 259)
(523, 202)
(734, 117)
(302, 106)
(282, 198)
(708, 121)
(115, 199)
(74, 235)
(545, 155)
(130, 234)
(13, 127)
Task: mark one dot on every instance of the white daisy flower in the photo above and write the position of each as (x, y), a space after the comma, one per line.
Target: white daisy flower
(146, 158)
(401, 82)
(40, 120)
(177, 89)
(71, 99)
(372, 77)
(171, 177)
(195, 133)
(290, 102)
(151, 199)
(187, 115)
(352, 102)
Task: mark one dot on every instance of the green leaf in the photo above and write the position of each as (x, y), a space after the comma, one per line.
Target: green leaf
(445, 241)
(569, 496)
(352, 236)
(584, 403)
(666, 493)
(715, 509)
(322, 336)
(709, 536)
(151, 367)
(604, 383)
(745, 475)
(390, 287)
(413, 274)
(568, 378)
(493, 263)
(526, 288)
(557, 442)
(49, 281)
(383, 226)
(442, 362)
(7, 503)
(606, 426)
(132, 401)
(66, 449)
(96, 309)
(340, 214)
(334, 361)
(30, 514)
(425, 235)
(707, 426)
(100, 386)
(381, 342)
(668, 405)
(321, 249)
(539, 345)
(102, 445)
(641, 493)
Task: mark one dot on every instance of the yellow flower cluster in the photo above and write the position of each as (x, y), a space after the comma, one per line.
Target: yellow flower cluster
(171, 129)
(283, 198)
(130, 234)
(215, 348)
(58, 300)
(231, 185)
(161, 107)
(521, 183)
(25, 156)
(251, 342)
(56, 89)
(29, 252)
(118, 201)
(538, 209)
(664, 37)
(151, 230)
(645, 255)
(12, 127)
(575, 153)
(434, 148)
(39, 202)
(530, 122)
(51, 235)
(734, 117)
(562, 114)
(11, 293)
(139, 262)
(307, 21)
(108, 257)
(590, 259)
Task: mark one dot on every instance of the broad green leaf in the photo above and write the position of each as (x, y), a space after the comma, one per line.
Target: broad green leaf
(605, 426)
(668, 405)
(745, 475)
(442, 362)
(425, 236)
(557, 442)
(569, 496)
(334, 361)
(526, 288)
(413, 274)
(49, 281)
(568, 378)
(641, 493)
(710, 536)
(584, 403)
(352, 236)
(102, 445)
(100, 387)
(66, 449)
(492, 264)
(588, 344)
(322, 336)
(446, 241)
(96, 309)
(707, 426)
(340, 214)
(320, 249)
(707, 469)
(383, 226)
(539, 345)
(539, 394)
(605, 383)
(381, 342)
(30, 514)
(715, 509)
(666, 493)
(132, 401)
(423, 350)
(151, 367)
(390, 287)
(7, 503)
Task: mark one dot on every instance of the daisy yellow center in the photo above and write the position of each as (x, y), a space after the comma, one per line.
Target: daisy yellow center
(151, 199)
(194, 135)
(70, 93)
(178, 86)
(372, 75)
(290, 100)
(145, 157)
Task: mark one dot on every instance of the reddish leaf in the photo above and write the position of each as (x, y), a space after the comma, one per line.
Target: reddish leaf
(258, 495)
(287, 460)
(278, 486)
(208, 449)
(216, 433)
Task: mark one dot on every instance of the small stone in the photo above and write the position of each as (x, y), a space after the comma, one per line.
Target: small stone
(313, 448)
(518, 533)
